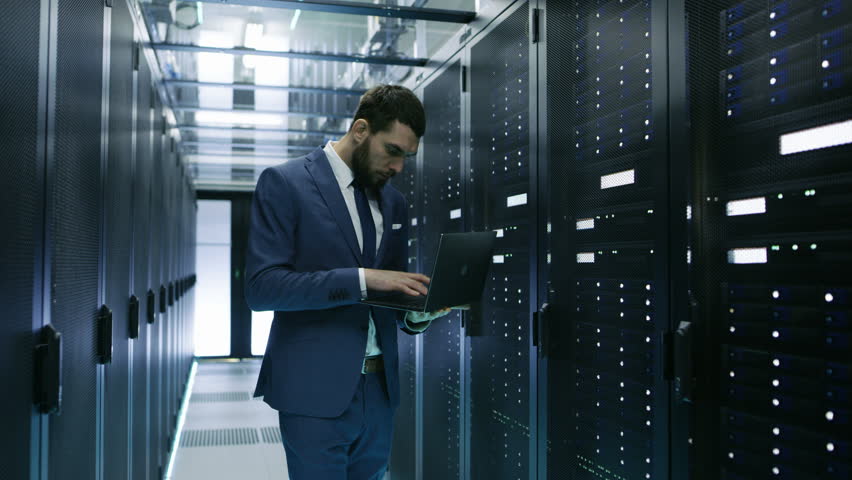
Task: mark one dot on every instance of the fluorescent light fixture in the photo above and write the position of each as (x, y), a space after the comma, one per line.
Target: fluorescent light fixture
(586, 224)
(747, 255)
(498, 259)
(239, 118)
(516, 200)
(455, 213)
(618, 179)
(748, 206)
(295, 19)
(586, 257)
(831, 135)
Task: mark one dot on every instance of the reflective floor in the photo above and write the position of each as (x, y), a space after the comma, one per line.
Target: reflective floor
(226, 433)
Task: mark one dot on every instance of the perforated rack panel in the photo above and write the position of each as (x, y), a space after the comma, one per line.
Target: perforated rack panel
(770, 96)
(607, 410)
(498, 355)
(442, 213)
(403, 451)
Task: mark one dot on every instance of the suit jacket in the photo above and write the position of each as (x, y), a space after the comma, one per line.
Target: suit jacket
(302, 262)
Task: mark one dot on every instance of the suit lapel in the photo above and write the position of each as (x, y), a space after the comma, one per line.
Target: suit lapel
(384, 201)
(320, 170)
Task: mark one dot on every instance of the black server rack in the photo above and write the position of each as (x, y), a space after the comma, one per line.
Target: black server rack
(607, 251)
(501, 185)
(768, 102)
(157, 246)
(403, 454)
(74, 221)
(118, 238)
(143, 286)
(22, 196)
(442, 203)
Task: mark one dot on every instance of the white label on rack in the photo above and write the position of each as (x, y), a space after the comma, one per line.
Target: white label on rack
(499, 232)
(586, 257)
(748, 206)
(831, 135)
(618, 179)
(747, 255)
(516, 200)
(455, 213)
(498, 259)
(586, 224)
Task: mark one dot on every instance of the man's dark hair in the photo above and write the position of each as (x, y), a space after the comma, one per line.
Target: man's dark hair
(384, 104)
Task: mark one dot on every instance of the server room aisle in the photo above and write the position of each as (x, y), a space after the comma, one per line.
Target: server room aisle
(227, 434)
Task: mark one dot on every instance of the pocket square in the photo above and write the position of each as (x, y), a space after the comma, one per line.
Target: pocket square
(396, 226)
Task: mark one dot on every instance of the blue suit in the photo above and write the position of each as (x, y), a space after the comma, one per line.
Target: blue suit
(303, 259)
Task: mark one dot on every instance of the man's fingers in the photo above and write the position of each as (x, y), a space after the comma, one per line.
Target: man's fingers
(420, 277)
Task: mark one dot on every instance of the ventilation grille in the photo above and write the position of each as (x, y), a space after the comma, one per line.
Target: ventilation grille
(219, 438)
(271, 434)
(215, 397)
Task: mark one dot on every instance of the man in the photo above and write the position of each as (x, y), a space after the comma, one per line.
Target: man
(326, 229)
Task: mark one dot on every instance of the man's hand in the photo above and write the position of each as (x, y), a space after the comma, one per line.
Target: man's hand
(392, 281)
(420, 317)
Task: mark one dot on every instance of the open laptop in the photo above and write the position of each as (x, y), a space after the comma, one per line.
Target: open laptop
(458, 277)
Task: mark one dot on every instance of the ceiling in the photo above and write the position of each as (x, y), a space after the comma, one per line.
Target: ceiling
(238, 114)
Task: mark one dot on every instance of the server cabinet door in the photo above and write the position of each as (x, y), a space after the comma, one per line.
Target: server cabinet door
(23, 87)
(442, 213)
(403, 462)
(607, 174)
(769, 102)
(502, 197)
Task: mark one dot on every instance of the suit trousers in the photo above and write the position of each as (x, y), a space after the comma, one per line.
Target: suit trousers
(354, 446)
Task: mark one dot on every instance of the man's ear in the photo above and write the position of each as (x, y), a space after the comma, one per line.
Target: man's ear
(360, 130)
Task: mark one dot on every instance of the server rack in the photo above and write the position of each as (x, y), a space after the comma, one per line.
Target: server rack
(143, 286)
(770, 235)
(74, 218)
(23, 85)
(501, 183)
(442, 203)
(403, 462)
(118, 238)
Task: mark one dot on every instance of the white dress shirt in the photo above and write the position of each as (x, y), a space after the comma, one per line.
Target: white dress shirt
(344, 176)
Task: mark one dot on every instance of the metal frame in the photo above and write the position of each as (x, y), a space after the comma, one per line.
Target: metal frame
(187, 108)
(358, 8)
(42, 297)
(229, 143)
(199, 128)
(542, 138)
(327, 57)
(248, 86)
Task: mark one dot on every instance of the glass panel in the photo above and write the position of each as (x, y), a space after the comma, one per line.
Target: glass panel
(213, 267)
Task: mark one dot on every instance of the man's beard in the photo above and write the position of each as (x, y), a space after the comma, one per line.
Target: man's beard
(361, 167)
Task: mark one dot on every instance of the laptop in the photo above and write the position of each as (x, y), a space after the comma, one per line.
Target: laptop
(461, 266)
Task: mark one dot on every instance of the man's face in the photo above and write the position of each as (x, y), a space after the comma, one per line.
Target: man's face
(382, 155)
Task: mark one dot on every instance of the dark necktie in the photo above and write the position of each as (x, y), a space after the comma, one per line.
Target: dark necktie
(368, 227)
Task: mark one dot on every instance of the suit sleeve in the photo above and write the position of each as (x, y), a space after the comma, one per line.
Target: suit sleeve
(272, 283)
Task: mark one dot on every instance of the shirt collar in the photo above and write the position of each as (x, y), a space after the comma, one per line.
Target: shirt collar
(342, 173)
